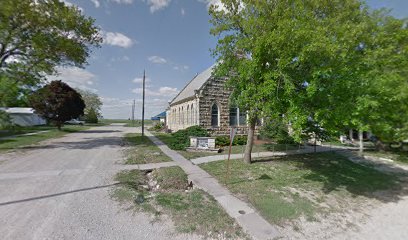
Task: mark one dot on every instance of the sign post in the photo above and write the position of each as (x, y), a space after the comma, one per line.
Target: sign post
(233, 131)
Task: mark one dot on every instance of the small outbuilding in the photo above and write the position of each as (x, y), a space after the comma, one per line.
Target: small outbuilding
(160, 118)
(24, 116)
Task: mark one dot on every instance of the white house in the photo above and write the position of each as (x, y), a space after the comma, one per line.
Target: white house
(24, 116)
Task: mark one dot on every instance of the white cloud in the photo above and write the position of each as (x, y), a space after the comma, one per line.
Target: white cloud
(167, 92)
(157, 59)
(117, 39)
(75, 77)
(120, 59)
(122, 1)
(69, 4)
(156, 5)
(96, 3)
(183, 11)
(217, 3)
(181, 67)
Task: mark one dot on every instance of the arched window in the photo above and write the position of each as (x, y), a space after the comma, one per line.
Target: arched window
(178, 116)
(188, 115)
(182, 115)
(192, 115)
(214, 115)
(233, 116)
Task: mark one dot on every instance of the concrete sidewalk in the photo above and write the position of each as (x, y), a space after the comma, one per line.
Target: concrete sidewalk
(257, 227)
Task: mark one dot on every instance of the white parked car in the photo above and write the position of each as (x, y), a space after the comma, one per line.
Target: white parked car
(75, 122)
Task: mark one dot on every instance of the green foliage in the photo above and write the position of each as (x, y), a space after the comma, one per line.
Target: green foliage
(36, 37)
(382, 102)
(91, 116)
(57, 102)
(319, 60)
(223, 141)
(5, 120)
(93, 103)
(276, 130)
(181, 139)
(158, 127)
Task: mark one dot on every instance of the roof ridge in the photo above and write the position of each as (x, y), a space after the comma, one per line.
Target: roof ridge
(199, 77)
(184, 88)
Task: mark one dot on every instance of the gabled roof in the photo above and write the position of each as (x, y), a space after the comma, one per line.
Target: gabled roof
(18, 110)
(158, 116)
(195, 84)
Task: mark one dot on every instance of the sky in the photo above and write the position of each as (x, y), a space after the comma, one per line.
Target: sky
(169, 39)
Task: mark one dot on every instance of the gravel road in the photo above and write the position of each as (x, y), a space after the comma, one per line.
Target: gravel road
(60, 190)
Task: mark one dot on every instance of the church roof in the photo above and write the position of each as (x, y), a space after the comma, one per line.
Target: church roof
(195, 84)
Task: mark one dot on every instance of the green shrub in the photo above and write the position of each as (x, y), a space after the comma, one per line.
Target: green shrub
(5, 120)
(181, 139)
(240, 140)
(158, 127)
(223, 141)
(276, 130)
(91, 116)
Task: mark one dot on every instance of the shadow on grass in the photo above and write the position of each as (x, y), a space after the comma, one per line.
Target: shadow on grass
(334, 172)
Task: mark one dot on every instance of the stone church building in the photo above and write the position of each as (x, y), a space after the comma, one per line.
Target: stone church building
(204, 101)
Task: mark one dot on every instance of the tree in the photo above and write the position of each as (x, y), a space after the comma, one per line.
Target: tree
(57, 102)
(36, 36)
(93, 104)
(381, 106)
(302, 59)
(91, 116)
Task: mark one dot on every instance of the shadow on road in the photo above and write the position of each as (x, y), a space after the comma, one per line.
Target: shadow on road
(56, 194)
(86, 143)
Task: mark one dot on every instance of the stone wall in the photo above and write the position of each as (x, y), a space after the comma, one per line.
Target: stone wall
(214, 92)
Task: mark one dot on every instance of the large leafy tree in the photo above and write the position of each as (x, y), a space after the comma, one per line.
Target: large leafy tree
(298, 59)
(36, 36)
(381, 106)
(57, 102)
(93, 104)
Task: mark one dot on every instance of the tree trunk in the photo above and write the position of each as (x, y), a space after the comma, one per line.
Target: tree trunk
(361, 144)
(250, 141)
(351, 135)
(59, 126)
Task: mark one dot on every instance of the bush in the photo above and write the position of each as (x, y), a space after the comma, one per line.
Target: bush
(276, 130)
(158, 127)
(91, 116)
(181, 139)
(225, 141)
(5, 120)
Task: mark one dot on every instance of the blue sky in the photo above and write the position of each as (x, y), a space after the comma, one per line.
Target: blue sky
(168, 38)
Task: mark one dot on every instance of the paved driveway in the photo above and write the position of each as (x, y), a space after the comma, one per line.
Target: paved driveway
(60, 190)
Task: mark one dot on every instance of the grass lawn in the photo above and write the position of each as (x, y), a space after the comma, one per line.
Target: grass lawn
(286, 188)
(165, 138)
(401, 157)
(23, 141)
(192, 211)
(23, 130)
(142, 150)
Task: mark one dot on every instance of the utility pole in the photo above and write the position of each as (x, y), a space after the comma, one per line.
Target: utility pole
(133, 113)
(143, 103)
